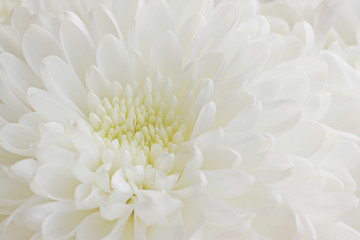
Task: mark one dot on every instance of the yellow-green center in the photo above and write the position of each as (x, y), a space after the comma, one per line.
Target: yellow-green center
(138, 122)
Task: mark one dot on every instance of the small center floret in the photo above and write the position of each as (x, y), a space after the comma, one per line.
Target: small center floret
(139, 122)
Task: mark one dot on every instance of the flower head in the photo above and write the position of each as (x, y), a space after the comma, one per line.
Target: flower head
(151, 120)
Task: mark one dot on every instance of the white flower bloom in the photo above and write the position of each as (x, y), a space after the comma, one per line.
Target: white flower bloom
(169, 120)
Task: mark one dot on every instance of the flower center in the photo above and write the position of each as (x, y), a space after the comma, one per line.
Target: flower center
(138, 121)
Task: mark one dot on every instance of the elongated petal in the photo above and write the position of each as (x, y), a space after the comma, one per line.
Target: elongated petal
(227, 183)
(113, 59)
(18, 138)
(166, 55)
(55, 181)
(38, 44)
(61, 80)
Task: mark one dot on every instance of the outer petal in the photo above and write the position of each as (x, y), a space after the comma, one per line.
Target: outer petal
(55, 181)
(18, 138)
(59, 79)
(113, 59)
(37, 44)
(166, 55)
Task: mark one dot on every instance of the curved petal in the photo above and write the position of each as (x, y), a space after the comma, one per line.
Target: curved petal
(12, 191)
(94, 227)
(38, 43)
(55, 181)
(78, 45)
(62, 225)
(25, 169)
(113, 59)
(20, 73)
(166, 55)
(204, 120)
(227, 183)
(60, 79)
(51, 106)
(18, 138)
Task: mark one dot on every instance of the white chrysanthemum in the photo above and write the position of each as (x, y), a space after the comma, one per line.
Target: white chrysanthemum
(168, 120)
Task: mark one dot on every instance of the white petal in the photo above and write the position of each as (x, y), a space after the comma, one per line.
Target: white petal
(8, 158)
(102, 177)
(343, 103)
(190, 185)
(206, 91)
(37, 44)
(12, 232)
(270, 167)
(20, 73)
(245, 120)
(212, 154)
(94, 227)
(305, 31)
(96, 82)
(286, 216)
(250, 143)
(104, 22)
(10, 41)
(49, 153)
(329, 206)
(81, 136)
(259, 200)
(47, 21)
(18, 138)
(186, 9)
(248, 61)
(153, 207)
(86, 196)
(227, 183)
(113, 59)
(189, 159)
(165, 162)
(78, 46)
(341, 173)
(62, 225)
(13, 192)
(34, 215)
(217, 213)
(217, 27)
(119, 183)
(211, 66)
(279, 116)
(326, 14)
(339, 230)
(51, 105)
(25, 169)
(55, 181)
(255, 26)
(20, 18)
(166, 55)
(193, 219)
(114, 211)
(153, 20)
(230, 104)
(11, 107)
(124, 13)
(204, 120)
(169, 231)
(297, 141)
(135, 174)
(187, 34)
(59, 79)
